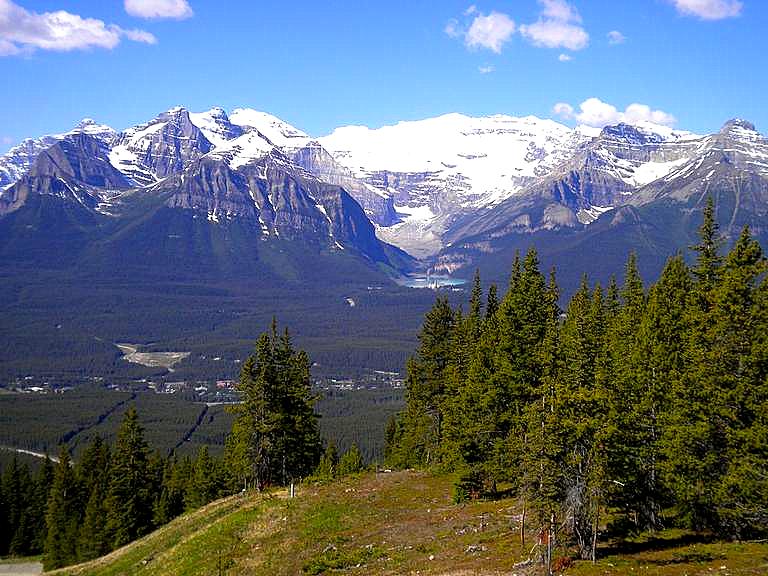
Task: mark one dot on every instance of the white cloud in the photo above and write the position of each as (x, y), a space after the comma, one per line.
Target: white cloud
(486, 69)
(6, 140)
(565, 57)
(453, 28)
(563, 110)
(140, 36)
(22, 31)
(490, 31)
(616, 37)
(595, 112)
(559, 10)
(558, 26)
(554, 34)
(158, 9)
(709, 9)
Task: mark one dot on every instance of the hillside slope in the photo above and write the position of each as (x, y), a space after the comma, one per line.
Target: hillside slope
(388, 523)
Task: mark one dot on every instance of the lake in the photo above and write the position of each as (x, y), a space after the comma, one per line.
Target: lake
(431, 281)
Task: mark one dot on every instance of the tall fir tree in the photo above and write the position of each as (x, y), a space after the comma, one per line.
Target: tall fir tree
(130, 491)
(276, 431)
(62, 516)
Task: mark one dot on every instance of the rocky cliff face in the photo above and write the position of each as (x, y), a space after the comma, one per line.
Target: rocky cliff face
(163, 146)
(277, 199)
(732, 167)
(76, 168)
(317, 160)
(19, 159)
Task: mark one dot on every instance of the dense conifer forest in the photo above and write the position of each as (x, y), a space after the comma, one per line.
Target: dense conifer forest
(76, 511)
(633, 409)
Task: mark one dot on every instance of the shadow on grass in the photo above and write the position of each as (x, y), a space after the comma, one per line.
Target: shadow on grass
(657, 544)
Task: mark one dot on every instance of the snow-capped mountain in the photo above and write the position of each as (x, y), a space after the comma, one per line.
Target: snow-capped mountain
(426, 185)
(737, 156)
(15, 163)
(164, 145)
(440, 171)
(200, 166)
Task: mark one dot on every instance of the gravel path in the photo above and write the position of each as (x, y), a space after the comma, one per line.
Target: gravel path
(25, 569)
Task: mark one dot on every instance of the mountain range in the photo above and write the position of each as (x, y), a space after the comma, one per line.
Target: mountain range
(248, 204)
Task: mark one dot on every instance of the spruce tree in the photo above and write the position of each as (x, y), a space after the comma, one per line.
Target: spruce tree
(170, 501)
(426, 387)
(276, 430)
(203, 483)
(43, 483)
(740, 497)
(129, 493)
(62, 516)
(13, 503)
(23, 534)
(92, 539)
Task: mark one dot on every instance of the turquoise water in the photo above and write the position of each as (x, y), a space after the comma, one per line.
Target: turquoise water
(431, 281)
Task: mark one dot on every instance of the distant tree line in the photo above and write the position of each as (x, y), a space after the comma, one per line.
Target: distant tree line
(73, 512)
(650, 405)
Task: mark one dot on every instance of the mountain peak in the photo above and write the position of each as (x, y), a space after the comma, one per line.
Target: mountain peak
(741, 132)
(738, 123)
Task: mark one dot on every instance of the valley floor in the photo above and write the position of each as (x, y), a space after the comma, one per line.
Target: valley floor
(389, 523)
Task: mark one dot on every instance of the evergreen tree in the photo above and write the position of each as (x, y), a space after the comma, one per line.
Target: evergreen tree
(43, 484)
(426, 387)
(276, 428)
(657, 366)
(12, 503)
(707, 269)
(203, 483)
(24, 523)
(740, 497)
(170, 501)
(93, 540)
(62, 516)
(129, 494)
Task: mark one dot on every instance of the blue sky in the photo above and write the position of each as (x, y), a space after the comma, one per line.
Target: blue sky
(319, 65)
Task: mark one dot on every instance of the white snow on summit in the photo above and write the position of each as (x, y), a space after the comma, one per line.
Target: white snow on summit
(483, 159)
(280, 133)
(19, 159)
(243, 149)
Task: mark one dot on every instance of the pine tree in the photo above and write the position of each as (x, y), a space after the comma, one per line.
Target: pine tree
(426, 387)
(62, 516)
(129, 494)
(170, 501)
(203, 483)
(43, 484)
(659, 365)
(92, 540)
(23, 536)
(276, 430)
(740, 497)
(13, 503)
(709, 261)
(5, 527)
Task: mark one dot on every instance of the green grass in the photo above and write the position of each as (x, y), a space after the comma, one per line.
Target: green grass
(20, 559)
(392, 523)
